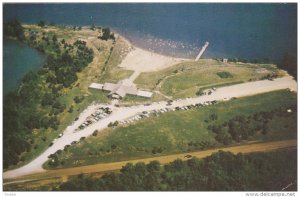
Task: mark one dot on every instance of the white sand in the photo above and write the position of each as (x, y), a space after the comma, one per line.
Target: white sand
(145, 61)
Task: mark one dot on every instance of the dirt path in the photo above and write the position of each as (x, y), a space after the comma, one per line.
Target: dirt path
(94, 68)
(167, 97)
(134, 76)
(107, 167)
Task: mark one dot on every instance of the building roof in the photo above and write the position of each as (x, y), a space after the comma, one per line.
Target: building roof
(96, 86)
(119, 90)
(122, 88)
(109, 86)
(144, 94)
(126, 82)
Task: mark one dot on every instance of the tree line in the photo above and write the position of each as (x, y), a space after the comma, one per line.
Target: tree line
(36, 104)
(242, 127)
(222, 171)
(288, 62)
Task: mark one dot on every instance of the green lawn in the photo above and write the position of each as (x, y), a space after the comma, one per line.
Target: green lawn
(172, 132)
(185, 79)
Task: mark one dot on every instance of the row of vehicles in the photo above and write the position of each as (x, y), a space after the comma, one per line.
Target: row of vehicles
(157, 112)
(139, 116)
(99, 114)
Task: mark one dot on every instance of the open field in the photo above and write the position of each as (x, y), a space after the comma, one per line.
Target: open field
(185, 79)
(55, 176)
(172, 132)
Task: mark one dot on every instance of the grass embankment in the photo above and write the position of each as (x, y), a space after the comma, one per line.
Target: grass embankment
(181, 131)
(111, 72)
(185, 79)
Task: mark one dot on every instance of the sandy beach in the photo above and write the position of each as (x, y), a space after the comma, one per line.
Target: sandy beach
(141, 60)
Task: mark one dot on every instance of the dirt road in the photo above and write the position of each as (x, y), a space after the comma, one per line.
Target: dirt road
(107, 167)
(123, 113)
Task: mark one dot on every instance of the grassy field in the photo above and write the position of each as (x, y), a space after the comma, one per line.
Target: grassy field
(185, 79)
(172, 132)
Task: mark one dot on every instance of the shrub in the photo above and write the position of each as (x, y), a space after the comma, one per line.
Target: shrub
(224, 75)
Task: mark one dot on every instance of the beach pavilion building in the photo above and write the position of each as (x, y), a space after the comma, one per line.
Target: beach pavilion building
(121, 89)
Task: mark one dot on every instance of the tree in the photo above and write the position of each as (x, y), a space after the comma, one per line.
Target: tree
(289, 63)
(105, 34)
(111, 124)
(113, 146)
(77, 99)
(41, 23)
(54, 38)
(14, 29)
(224, 137)
(70, 109)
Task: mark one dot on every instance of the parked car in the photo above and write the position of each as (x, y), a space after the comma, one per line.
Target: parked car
(188, 156)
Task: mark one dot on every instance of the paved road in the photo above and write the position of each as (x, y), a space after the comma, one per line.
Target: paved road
(123, 113)
(114, 166)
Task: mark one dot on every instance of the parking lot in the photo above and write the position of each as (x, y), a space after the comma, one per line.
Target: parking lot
(100, 113)
(168, 108)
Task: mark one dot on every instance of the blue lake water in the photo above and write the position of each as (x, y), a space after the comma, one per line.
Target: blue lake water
(233, 30)
(18, 59)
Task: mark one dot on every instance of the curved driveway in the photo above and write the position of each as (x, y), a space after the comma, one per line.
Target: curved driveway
(123, 113)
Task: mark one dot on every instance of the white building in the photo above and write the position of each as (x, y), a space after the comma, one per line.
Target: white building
(224, 60)
(121, 89)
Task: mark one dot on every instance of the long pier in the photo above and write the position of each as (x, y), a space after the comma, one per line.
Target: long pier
(202, 51)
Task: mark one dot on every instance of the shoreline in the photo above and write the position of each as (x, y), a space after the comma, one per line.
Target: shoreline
(134, 41)
(135, 46)
(11, 86)
(153, 44)
(142, 60)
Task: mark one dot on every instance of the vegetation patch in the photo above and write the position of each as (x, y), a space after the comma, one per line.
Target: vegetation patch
(224, 75)
(243, 127)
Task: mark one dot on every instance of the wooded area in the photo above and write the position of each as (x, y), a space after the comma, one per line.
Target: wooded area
(222, 171)
(35, 105)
